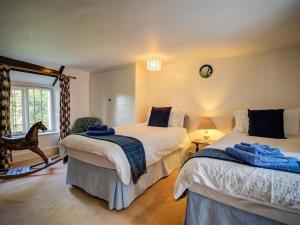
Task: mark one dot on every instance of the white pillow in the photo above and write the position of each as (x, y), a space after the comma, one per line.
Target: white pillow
(291, 118)
(176, 118)
(241, 121)
(291, 121)
(148, 116)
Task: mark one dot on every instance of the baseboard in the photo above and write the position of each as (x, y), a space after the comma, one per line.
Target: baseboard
(25, 155)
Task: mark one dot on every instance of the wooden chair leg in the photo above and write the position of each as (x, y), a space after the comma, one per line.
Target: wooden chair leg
(40, 153)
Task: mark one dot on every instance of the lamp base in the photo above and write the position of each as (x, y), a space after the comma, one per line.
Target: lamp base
(206, 138)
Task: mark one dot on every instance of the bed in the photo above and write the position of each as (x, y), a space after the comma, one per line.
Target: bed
(101, 168)
(222, 192)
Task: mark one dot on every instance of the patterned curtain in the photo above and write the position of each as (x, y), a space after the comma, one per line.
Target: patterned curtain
(64, 106)
(5, 101)
(4, 112)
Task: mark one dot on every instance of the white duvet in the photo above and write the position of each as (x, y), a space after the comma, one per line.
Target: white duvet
(157, 142)
(277, 189)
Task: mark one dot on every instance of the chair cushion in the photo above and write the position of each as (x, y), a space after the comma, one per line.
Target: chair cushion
(82, 124)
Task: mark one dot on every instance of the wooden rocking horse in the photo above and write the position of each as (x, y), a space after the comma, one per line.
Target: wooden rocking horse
(30, 142)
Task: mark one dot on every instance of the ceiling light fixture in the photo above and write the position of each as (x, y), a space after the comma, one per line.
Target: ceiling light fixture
(153, 63)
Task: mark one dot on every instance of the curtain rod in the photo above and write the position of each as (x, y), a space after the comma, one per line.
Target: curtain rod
(45, 73)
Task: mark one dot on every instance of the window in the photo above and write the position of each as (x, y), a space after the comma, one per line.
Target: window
(17, 111)
(28, 106)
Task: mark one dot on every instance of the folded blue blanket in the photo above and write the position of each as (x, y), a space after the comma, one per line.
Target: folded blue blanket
(109, 131)
(97, 127)
(277, 163)
(258, 149)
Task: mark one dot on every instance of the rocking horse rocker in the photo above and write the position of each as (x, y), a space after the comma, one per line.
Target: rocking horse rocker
(30, 142)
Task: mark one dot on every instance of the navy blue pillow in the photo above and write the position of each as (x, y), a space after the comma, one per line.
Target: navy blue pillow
(159, 117)
(266, 123)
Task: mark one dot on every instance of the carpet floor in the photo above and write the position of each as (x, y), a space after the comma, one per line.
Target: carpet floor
(44, 199)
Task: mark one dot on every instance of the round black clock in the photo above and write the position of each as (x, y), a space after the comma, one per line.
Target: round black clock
(205, 71)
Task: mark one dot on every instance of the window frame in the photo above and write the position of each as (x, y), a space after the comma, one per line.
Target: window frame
(25, 105)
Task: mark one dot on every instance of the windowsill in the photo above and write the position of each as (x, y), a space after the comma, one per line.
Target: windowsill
(48, 133)
(40, 134)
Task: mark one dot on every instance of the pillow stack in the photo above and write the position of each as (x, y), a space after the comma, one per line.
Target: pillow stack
(165, 117)
(272, 123)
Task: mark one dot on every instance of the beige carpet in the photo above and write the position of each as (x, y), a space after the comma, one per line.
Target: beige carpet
(44, 199)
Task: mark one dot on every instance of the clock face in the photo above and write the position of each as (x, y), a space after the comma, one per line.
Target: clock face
(205, 71)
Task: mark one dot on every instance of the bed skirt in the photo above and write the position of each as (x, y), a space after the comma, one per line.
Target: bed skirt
(105, 183)
(205, 211)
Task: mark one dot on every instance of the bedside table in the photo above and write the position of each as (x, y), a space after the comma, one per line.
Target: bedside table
(200, 143)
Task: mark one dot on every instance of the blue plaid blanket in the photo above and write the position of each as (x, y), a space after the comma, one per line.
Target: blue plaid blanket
(214, 154)
(133, 149)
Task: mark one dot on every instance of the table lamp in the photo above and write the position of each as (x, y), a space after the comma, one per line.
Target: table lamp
(206, 123)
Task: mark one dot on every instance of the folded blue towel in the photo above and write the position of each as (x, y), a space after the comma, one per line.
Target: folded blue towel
(109, 131)
(98, 127)
(277, 163)
(257, 144)
(258, 149)
(260, 145)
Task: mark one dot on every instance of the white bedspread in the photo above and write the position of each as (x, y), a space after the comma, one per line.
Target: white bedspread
(157, 142)
(277, 189)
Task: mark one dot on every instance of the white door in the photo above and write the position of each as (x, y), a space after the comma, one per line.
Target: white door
(99, 93)
(121, 109)
(113, 96)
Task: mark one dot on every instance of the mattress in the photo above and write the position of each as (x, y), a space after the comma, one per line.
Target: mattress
(269, 193)
(157, 141)
(90, 158)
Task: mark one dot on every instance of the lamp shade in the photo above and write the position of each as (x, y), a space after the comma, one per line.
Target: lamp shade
(207, 123)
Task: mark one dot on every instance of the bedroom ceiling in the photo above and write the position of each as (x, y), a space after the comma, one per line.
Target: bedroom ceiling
(95, 34)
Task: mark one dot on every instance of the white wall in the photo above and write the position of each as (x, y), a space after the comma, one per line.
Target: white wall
(141, 92)
(267, 79)
(80, 88)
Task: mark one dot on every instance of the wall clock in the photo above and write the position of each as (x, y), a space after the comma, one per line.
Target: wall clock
(205, 71)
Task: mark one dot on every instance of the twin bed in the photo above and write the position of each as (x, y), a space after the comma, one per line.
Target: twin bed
(222, 192)
(102, 169)
(219, 192)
